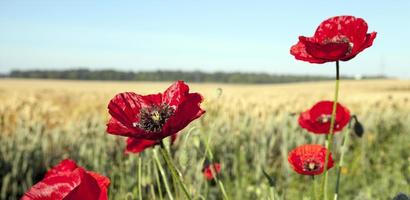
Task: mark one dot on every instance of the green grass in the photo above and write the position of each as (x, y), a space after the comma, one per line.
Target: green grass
(244, 137)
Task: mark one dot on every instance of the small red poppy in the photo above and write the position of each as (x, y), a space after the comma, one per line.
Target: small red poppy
(155, 116)
(317, 119)
(69, 182)
(337, 38)
(208, 170)
(309, 159)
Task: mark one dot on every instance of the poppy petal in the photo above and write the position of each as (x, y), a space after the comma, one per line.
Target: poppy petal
(368, 42)
(65, 166)
(174, 138)
(299, 52)
(138, 145)
(152, 99)
(103, 182)
(187, 111)
(353, 28)
(88, 188)
(176, 93)
(117, 128)
(331, 51)
(124, 107)
(57, 186)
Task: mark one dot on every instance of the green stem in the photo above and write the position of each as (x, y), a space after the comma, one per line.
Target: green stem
(173, 170)
(154, 197)
(222, 188)
(164, 177)
(158, 183)
(343, 150)
(314, 188)
(220, 184)
(139, 178)
(206, 191)
(272, 193)
(329, 137)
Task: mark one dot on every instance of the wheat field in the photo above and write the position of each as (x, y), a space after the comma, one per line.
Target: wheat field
(248, 128)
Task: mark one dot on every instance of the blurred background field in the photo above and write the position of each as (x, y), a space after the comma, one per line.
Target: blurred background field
(249, 127)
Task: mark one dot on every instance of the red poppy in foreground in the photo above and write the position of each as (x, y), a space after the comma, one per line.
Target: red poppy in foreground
(69, 182)
(337, 38)
(208, 170)
(317, 119)
(309, 159)
(147, 119)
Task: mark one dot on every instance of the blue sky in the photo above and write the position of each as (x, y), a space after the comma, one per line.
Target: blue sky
(250, 36)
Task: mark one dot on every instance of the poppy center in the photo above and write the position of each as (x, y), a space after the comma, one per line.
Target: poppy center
(323, 119)
(153, 118)
(311, 165)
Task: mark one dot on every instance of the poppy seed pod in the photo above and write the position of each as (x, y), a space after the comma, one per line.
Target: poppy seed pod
(401, 196)
(358, 128)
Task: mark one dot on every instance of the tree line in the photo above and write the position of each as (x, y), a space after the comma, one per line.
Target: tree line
(164, 75)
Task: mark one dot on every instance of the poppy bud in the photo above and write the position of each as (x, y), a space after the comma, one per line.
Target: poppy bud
(357, 127)
(270, 179)
(401, 196)
(219, 92)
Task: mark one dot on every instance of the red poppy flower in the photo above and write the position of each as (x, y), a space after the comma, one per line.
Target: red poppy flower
(309, 159)
(337, 38)
(69, 182)
(139, 145)
(156, 116)
(208, 170)
(317, 119)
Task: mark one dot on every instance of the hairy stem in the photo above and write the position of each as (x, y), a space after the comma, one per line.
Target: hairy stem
(164, 177)
(343, 150)
(329, 137)
(139, 178)
(314, 193)
(211, 159)
(173, 170)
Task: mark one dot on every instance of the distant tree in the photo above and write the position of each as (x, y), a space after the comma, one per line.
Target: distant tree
(160, 75)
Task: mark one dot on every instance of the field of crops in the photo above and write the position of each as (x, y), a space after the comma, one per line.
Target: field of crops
(248, 128)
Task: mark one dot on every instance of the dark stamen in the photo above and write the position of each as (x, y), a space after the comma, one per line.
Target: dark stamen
(311, 166)
(153, 118)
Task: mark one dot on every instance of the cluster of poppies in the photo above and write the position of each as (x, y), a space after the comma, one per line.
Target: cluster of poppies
(336, 39)
(148, 119)
(310, 159)
(145, 120)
